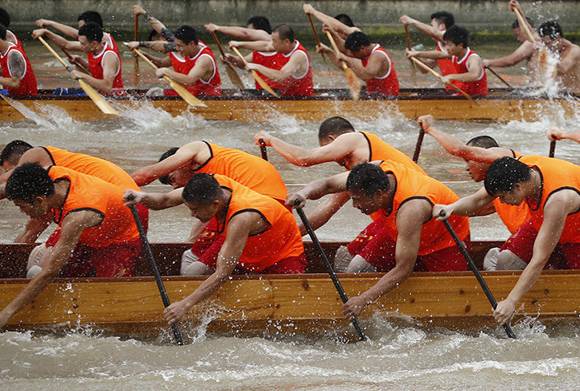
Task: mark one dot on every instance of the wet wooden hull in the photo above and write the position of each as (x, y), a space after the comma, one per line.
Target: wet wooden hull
(287, 304)
(499, 106)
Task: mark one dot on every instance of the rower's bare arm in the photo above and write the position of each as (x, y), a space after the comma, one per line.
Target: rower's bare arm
(374, 68)
(422, 27)
(429, 54)
(72, 227)
(410, 220)
(62, 28)
(474, 71)
(239, 228)
(524, 52)
(336, 151)
(558, 207)
(261, 46)
(297, 65)
(557, 134)
(571, 61)
(58, 40)
(155, 201)
(319, 188)
(322, 214)
(466, 206)
(158, 46)
(203, 70)
(11, 82)
(333, 23)
(241, 33)
(32, 230)
(185, 155)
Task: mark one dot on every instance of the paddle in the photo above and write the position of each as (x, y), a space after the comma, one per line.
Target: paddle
(552, 148)
(408, 45)
(232, 74)
(329, 269)
(315, 35)
(70, 58)
(419, 144)
(437, 75)
(97, 98)
(351, 79)
(255, 75)
(178, 88)
(543, 54)
(499, 77)
(510, 333)
(150, 257)
(263, 149)
(136, 38)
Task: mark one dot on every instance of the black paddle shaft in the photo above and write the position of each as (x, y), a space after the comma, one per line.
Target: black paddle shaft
(330, 270)
(418, 145)
(263, 149)
(552, 148)
(149, 253)
(510, 333)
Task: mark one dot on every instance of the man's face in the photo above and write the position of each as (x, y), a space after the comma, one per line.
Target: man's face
(38, 208)
(185, 49)
(179, 177)
(514, 197)
(477, 170)
(367, 204)
(281, 45)
(203, 212)
(453, 49)
(88, 46)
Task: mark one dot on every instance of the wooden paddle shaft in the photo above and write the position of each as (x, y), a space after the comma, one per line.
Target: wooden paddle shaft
(144, 57)
(434, 73)
(235, 49)
(151, 258)
(335, 48)
(313, 27)
(329, 269)
(523, 24)
(218, 43)
(510, 333)
(499, 77)
(55, 54)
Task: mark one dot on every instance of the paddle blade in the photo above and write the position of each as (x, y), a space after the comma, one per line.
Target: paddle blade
(234, 77)
(263, 84)
(185, 94)
(97, 98)
(353, 83)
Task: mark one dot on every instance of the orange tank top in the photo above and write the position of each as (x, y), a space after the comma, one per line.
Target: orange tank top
(556, 175)
(91, 165)
(380, 150)
(90, 193)
(281, 240)
(248, 170)
(410, 185)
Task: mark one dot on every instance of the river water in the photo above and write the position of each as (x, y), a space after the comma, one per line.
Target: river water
(397, 356)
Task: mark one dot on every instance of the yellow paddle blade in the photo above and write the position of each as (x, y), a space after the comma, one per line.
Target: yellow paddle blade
(234, 77)
(97, 98)
(185, 94)
(353, 83)
(263, 84)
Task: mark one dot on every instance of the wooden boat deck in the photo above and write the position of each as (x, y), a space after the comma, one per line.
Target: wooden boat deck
(501, 105)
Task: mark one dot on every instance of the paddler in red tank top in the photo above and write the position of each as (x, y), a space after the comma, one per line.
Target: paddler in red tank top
(17, 75)
(291, 71)
(479, 153)
(551, 188)
(261, 234)
(89, 211)
(10, 36)
(406, 232)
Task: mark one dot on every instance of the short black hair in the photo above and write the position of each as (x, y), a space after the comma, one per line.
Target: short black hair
(14, 149)
(368, 179)
(551, 29)
(444, 17)
(28, 182)
(457, 35)
(285, 32)
(334, 126)
(4, 17)
(92, 31)
(91, 17)
(260, 23)
(187, 34)
(516, 23)
(170, 152)
(483, 142)
(356, 41)
(345, 19)
(3, 32)
(201, 189)
(504, 174)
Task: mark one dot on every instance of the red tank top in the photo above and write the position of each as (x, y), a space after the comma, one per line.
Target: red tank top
(474, 88)
(96, 63)
(388, 84)
(11, 37)
(269, 60)
(212, 87)
(295, 86)
(28, 86)
(445, 65)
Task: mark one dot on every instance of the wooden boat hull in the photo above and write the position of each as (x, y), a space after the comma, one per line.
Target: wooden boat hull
(499, 106)
(287, 304)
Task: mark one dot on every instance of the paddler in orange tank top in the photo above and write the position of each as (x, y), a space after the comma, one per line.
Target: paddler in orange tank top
(261, 235)
(479, 153)
(405, 234)
(89, 211)
(178, 165)
(551, 188)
